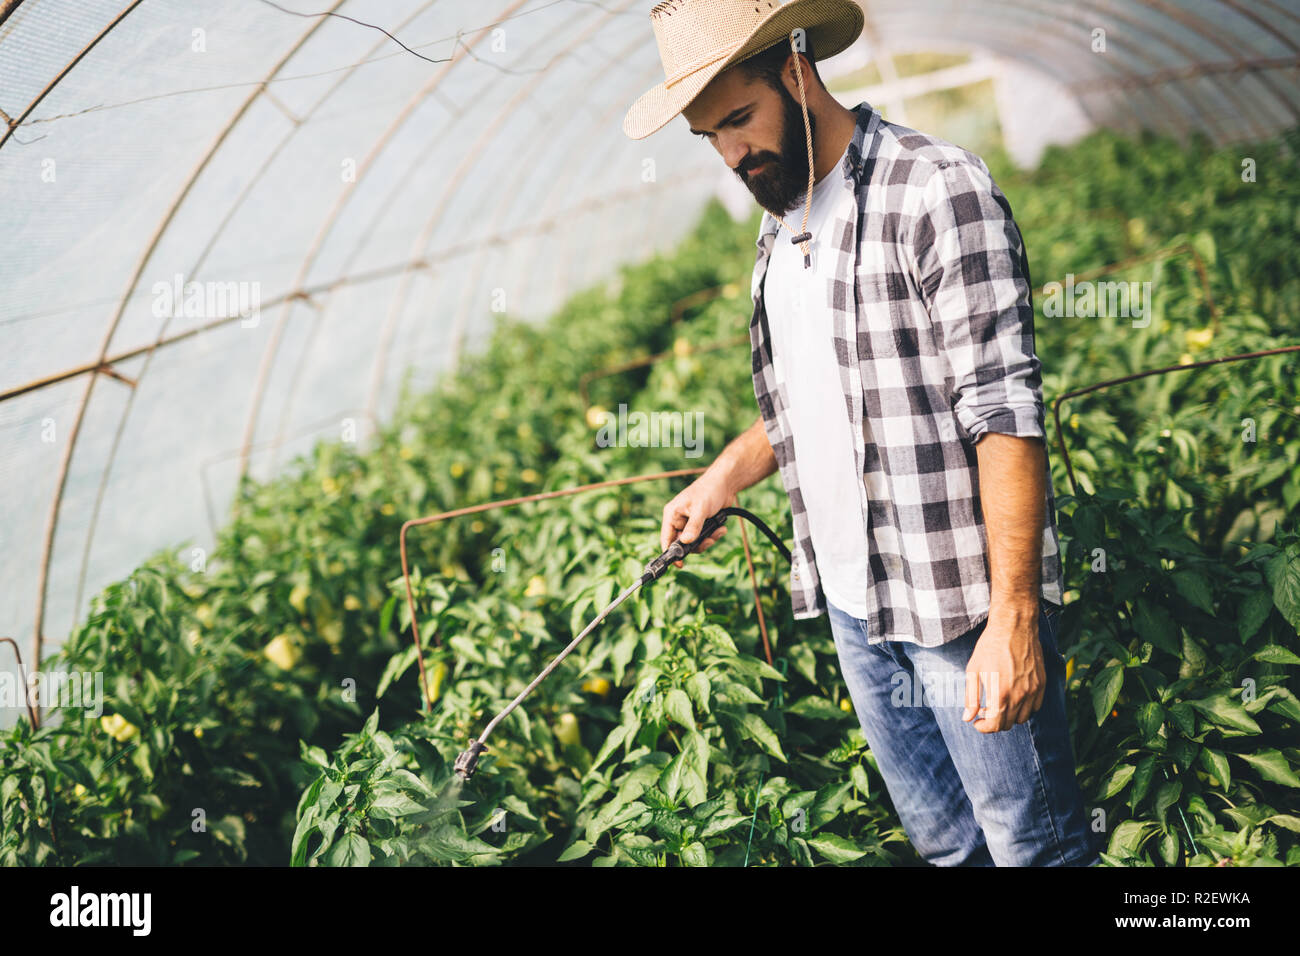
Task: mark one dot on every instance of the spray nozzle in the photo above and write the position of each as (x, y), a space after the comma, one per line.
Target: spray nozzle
(678, 549)
(468, 760)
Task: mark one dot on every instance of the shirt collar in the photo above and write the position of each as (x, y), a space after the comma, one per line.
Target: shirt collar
(855, 160)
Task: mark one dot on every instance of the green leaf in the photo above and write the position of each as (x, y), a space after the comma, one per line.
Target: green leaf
(79, 774)
(1127, 837)
(1105, 691)
(1150, 717)
(1194, 657)
(1284, 702)
(1166, 797)
(1195, 589)
(694, 854)
(1253, 612)
(577, 617)
(1157, 627)
(517, 807)
(1182, 715)
(835, 848)
(737, 692)
(1118, 778)
(397, 666)
(760, 668)
(763, 735)
(579, 849)
(670, 782)
(1284, 574)
(392, 805)
(604, 594)
(624, 651)
(858, 774)
(1275, 654)
(1272, 765)
(678, 707)
(1141, 780)
(466, 648)
(721, 823)
(695, 753)
(1089, 525)
(698, 687)
(718, 636)
(615, 738)
(817, 708)
(1223, 711)
(229, 830)
(1217, 765)
(352, 850)
(1169, 848)
(386, 615)
(313, 755)
(804, 661)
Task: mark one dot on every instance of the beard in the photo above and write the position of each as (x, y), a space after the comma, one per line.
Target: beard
(778, 186)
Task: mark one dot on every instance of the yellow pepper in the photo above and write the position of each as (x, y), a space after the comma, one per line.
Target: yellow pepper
(282, 652)
(118, 727)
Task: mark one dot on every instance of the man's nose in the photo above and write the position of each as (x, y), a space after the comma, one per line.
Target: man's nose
(736, 156)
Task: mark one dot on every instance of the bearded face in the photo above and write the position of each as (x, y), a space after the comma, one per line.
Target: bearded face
(779, 181)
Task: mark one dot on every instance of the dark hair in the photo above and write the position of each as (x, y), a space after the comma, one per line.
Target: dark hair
(766, 65)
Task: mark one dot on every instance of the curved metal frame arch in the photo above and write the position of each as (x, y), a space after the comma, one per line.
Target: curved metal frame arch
(1230, 41)
(16, 121)
(397, 304)
(79, 418)
(1198, 24)
(498, 215)
(225, 221)
(1243, 105)
(1014, 49)
(273, 345)
(560, 288)
(481, 144)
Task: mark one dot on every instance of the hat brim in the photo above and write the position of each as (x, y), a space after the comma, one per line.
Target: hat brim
(831, 25)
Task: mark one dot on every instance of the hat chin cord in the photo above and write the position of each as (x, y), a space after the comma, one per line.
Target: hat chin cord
(804, 236)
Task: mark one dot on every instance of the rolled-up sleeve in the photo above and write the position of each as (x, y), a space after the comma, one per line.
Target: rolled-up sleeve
(974, 279)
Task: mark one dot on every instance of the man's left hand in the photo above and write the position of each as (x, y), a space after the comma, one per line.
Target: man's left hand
(1008, 660)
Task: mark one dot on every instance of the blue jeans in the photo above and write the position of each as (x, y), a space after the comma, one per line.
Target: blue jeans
(964, 797)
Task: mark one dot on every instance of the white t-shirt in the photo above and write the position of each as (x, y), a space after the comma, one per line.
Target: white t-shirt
(804, 363)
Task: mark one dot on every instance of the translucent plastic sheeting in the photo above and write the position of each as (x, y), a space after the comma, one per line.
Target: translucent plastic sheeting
(353, 210)
(367, 201)
(1228, 67)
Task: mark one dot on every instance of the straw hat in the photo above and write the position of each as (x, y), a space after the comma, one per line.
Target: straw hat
(698, 39)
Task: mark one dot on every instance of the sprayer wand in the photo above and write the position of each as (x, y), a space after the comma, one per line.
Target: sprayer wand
(467, 761)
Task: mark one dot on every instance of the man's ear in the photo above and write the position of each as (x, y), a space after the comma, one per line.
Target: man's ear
(794, 62)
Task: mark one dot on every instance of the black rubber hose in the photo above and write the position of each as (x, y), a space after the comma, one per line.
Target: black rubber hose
(760, 524)
(679, 549)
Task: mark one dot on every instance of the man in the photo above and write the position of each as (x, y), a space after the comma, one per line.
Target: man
(895, 374)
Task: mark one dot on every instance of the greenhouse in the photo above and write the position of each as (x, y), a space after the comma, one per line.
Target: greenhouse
(369, 369)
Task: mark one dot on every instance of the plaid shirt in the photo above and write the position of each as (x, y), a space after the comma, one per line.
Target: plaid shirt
(934, 335)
